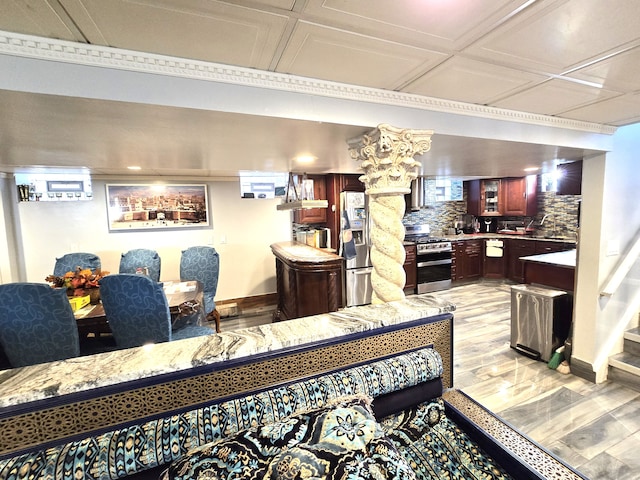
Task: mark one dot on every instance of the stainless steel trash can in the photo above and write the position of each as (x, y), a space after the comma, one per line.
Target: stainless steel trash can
(540, 320)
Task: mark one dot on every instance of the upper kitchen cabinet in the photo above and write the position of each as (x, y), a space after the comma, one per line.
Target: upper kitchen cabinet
(484, 198)
(350, 182)
(515, 197)
(314, 215)
(569, 178)
(519, 196)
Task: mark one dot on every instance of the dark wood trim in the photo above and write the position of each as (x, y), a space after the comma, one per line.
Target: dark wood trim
(251, 303)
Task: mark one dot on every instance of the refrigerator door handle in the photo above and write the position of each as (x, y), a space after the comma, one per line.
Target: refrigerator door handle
(362, 271)
(434, 262)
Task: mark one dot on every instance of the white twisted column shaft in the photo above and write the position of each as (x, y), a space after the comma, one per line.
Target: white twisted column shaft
(387, 160)
(387, 251)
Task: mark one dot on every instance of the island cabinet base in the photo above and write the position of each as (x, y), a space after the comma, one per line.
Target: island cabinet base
(553, 276)
(309, 281)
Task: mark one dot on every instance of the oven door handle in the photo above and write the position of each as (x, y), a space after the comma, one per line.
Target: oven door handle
(434, 262)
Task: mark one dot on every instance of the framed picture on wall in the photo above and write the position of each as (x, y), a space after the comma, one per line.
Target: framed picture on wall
(154, 206)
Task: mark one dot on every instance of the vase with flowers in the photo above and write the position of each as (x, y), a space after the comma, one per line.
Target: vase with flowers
(79, 283)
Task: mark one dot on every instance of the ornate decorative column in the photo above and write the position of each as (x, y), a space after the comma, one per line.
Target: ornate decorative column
(387, 155)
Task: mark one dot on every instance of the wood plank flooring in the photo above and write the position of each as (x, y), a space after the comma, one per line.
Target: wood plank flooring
(593, 428)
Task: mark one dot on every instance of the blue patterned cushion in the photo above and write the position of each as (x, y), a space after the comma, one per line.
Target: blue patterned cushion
(101, 456)
(36, 324)
(202, 263)
(141, 258)
(339, 441)
(71, 261)
(436, 447)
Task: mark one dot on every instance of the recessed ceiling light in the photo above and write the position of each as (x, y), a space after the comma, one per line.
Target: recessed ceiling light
(531, 169)
(305, 159)
(134, 167)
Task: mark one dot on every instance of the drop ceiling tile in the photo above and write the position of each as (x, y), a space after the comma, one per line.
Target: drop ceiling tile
(467, 80)
(448, 25)
(622, 110)
(330, 54)
(37, 18)
(553, 97)
(211, 31)
(558, 35)
(619, 72)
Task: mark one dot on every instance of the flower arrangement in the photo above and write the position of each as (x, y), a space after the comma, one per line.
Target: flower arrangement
(77, 282)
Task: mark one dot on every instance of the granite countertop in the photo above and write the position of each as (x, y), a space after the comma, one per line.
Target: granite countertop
(470, 236)
(50, 380)
(301, 252)
(566, 258)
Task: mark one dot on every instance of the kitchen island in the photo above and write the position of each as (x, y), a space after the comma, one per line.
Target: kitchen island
(308, 279)
(556, 270)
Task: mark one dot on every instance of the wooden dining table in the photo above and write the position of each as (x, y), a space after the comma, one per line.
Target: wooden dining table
(186, 299)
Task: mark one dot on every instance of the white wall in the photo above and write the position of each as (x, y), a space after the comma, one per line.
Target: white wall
(610, 221)
(246, 226)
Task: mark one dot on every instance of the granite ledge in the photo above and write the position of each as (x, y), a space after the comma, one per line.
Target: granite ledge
(27, 384)
(565, 258)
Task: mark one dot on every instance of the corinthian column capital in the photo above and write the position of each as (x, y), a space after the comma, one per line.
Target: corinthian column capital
(387, 160)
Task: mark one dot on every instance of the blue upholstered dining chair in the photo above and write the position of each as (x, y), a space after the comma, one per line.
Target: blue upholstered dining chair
(36, 324)
(202, 263)
(71, 261)
(141, 258)
(138, 312)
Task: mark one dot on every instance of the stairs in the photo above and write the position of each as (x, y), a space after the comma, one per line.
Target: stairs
(624, 368)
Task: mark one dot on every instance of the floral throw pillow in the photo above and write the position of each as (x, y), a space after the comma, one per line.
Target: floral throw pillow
(339, 441)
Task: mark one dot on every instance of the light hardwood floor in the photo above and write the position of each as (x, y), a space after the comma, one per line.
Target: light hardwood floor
(593, 428)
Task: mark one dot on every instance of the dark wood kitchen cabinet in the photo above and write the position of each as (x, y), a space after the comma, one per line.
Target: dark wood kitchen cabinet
(502, 197)
(484, 198)
(519, 197)
(308, 280)
(514, 249)
(549, 246)
(570, 178)
(314, 215)
(410, 268)
(494, 261)
(336, 184)
(466, 260)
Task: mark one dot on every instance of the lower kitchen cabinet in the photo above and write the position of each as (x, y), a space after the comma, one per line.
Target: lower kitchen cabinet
(514, 249)
(494, 262)
(467, 260)
(546, 246)
(410, 269)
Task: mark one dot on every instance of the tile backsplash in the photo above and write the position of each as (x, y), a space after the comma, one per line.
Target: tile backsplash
(440, 216)
(560, 214)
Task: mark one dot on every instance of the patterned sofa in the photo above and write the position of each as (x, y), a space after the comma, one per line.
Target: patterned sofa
(375, 403)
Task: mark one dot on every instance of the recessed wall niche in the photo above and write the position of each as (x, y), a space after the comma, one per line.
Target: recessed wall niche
(53, 187)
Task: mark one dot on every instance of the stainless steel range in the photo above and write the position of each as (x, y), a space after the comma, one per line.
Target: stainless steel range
(433, 258)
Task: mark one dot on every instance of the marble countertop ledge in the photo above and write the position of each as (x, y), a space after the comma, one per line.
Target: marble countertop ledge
(28, 384)
(565, 258)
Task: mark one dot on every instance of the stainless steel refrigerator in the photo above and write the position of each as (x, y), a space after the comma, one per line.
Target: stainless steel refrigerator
(355, 247)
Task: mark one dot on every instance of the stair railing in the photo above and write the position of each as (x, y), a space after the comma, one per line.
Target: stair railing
(619, 301)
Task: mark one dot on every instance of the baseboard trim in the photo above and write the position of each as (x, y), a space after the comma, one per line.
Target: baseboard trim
(251, 303)
(583, 370)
